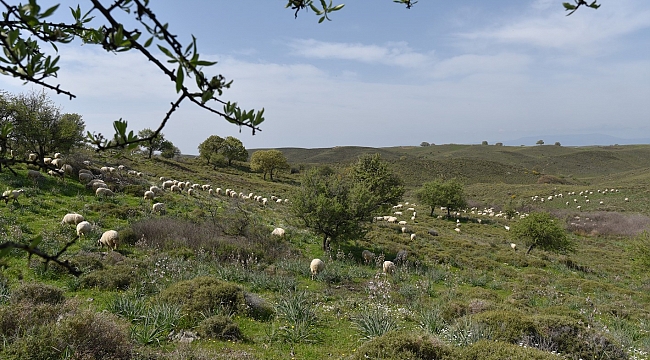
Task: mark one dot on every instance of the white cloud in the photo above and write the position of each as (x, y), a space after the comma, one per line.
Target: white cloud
(468, 64)
(396, 54)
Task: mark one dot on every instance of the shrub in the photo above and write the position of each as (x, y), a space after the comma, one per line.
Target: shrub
(219, 327)
(87, 261)
(404, 345)
(374, 322)
(90, 335)
(38, 293)
(204, 295)
(496, 350)
(118, 277)
(507, 326)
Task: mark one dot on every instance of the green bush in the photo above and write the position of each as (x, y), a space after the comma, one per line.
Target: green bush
(205, 295)
(37, 293)
(404, 345)
(219, 327)
(496, 350)
(119, 277)
(506, 326)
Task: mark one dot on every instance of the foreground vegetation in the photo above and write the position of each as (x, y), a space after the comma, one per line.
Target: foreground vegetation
(208, 281)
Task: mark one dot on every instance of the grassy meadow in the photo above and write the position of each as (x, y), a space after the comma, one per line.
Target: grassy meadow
(206, 280)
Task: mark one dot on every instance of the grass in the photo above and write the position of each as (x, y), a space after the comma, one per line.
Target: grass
(455, 287)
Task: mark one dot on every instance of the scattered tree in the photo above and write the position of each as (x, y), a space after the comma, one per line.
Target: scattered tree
(442, 193)
(210, 149)
(374, 174)
(498, 144)
(540, 142)
(233, 150)
(267, 161)
(541, 230)
(484, 142)
(155, 143)
(168, 150)
(557, 143)
(424, 144)
(39, 127)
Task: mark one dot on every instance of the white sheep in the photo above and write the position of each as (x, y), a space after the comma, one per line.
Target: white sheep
(210, 192)
(397, 213)
(12, 194)
(175, 188)
(389, 267)
(412, 236)
(72, 219)
(155, 189)
(278, 232)
(404, 229)
(57, 155)
(167, 184)
(67, 169)
(206, 187)
(103, 192)
(402, 223)
(191, 192)
(368, 256)
(391, 219)
(158, 208)
(513, 246)
(32, 157)
(84, 228)
(109, 238)
(316, 266)
(149, 195)
(47, 160)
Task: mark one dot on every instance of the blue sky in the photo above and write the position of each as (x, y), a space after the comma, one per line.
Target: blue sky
(381, 75)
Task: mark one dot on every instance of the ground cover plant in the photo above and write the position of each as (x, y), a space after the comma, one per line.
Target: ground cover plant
(207, 280)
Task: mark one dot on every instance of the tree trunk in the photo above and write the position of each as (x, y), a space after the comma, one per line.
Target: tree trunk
(324, 242)
(448, 213)
(150, 152)
(530, 249)
(432, 208)
(271, 174)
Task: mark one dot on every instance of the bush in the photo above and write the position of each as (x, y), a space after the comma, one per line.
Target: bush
(219, 327)
(506, 326)
(205, 295)
(496, 350)
(38, 293)
(404, 345)
(118, 277)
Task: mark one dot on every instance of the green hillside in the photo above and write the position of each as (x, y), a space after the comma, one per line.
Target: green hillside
(207, 280)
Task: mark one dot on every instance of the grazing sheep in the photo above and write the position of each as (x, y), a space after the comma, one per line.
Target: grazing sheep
(457, 230)
(57, 162)
(158, 208)
(32, 157)
(57, 155)
(67, 169)
(103, 192)
(397, 213)
(175, 188)
(155, 189)
(402, 223)
(84, 228)
(109, 238)
(191, 192)
(167, 184)
(47, 160)
(85, 171)
(404, 229)
(72, 219)
(148, 195)
(85, 177)
(316, 266)
(389, 267)
(278, 232)
(391, 219)
(12, 194)
(412, 236)
(210, 192)
(368, 256)
(627, 200)
(205, 187)
(34, 175)
(513, 246)
(400, 258)
(432, 232)
(86, 162)
(507, 227)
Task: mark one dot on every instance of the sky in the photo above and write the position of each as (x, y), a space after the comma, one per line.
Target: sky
(382, 75)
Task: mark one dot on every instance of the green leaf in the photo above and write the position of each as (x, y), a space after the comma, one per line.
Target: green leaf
(165, 51)
(148, 42)
(569, 6)
(337, 7)
(180, 76)
(35, 241)
(321, 19)
(205, 63)
(49, 11)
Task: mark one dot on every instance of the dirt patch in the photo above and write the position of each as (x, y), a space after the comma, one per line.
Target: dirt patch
(605, 223)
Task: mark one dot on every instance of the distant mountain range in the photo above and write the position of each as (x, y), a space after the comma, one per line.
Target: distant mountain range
(576, 140)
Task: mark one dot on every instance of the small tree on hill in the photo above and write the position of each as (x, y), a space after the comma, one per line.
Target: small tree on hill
(442, 193)
(541, 230)
(557, 143)
(168, 150)
(540, 142)
(424, 144)
(155, 144)
(210, 148)
(375, 175)
(233, 150)
(484, 142)
(268, 161)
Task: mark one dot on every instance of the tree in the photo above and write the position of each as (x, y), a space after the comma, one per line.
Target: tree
(540, 142)
(424, 144)
(498, 144)
(540, 230)
(374, 174)
(168, 150)
(442, 193)
(557, 143)
(233, 150)
(484, 142)
(155, 142)
(267, 161)
(39, 127)
(326, 204)
(210, 149)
